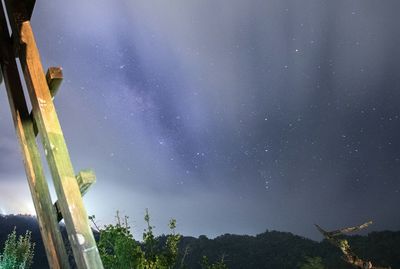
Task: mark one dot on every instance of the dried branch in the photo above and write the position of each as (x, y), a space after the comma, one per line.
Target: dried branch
(348, 255)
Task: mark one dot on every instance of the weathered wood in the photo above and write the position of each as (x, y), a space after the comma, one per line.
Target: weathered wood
(343, 231)
(54, 77)
(348, 255)
(85, 179)
(46, 216)
(76, 219)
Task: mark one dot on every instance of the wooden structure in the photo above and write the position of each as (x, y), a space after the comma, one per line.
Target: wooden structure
(43, 120)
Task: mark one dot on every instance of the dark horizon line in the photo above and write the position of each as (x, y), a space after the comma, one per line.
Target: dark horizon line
(364, 233)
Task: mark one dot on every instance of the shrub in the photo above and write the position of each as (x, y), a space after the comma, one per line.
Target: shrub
(17, 254)
(118, 249)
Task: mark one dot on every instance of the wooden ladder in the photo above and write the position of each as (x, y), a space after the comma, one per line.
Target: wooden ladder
(43, 120)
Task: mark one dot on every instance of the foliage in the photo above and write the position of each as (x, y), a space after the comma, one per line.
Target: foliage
(312, 263)
(17, 254)
(119, 250)
(117, 247)
(205, 264)
(271, 249)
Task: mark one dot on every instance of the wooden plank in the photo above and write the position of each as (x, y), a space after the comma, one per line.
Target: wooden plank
(46, 215)
(75, 216)
(85, 179)
(54, 77)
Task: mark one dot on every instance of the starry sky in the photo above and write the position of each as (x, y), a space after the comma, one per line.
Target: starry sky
(230, 116)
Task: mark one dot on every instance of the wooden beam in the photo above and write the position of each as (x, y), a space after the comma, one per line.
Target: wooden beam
(75, 216)
(46, 215)
(24, 8)
(54, 77)
(30, 4)
(85, 179)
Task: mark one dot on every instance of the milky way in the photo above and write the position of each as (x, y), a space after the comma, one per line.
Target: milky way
(230, 116)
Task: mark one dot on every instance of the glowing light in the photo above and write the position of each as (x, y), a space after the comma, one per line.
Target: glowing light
(30, 208)
(2, 211)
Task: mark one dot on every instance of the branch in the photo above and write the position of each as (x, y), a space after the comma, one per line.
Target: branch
(92, 219)
(348, 255)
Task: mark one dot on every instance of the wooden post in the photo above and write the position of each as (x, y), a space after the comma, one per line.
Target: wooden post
(76, 219)
(52, 239)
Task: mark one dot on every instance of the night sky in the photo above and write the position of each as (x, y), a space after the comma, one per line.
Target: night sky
(230, 116)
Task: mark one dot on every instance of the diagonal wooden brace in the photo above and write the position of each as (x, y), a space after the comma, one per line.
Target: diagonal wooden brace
(46, 215)
(85, 178)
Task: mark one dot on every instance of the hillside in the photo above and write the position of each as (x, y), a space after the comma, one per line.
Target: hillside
(270, 249)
